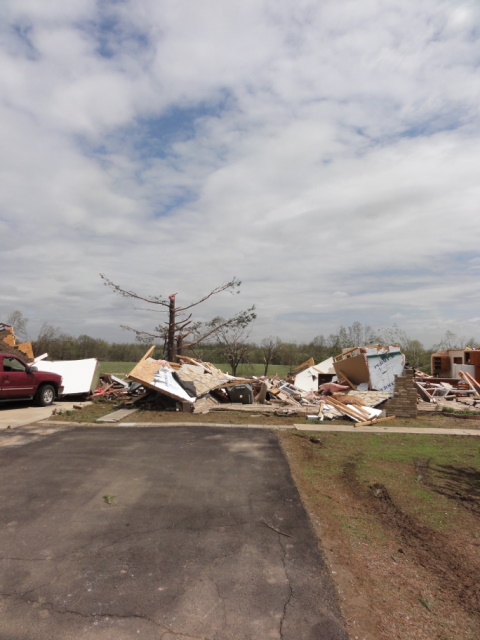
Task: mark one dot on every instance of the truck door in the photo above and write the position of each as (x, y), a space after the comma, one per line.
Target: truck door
(15, 382)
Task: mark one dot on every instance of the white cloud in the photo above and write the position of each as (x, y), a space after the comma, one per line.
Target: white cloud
(326, 154)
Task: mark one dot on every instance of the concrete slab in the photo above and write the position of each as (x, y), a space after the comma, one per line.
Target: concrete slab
(18, 414)
(117, 416)
(341, 428)
(114, 534)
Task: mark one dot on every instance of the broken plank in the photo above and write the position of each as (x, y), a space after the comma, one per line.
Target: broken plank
(374, 421)
(422, 392)
(349, 411)
(472, 383)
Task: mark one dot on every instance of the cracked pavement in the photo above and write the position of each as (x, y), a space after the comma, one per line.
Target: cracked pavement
(204, 538)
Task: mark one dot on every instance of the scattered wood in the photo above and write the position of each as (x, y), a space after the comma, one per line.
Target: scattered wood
(305, 365)
(423, 393)
(205, 404)
(472, 383)
(342, 376)
(262, 394)
(356, 414)
(374, 421)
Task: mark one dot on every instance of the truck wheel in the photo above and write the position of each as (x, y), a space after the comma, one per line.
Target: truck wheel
(45, 395)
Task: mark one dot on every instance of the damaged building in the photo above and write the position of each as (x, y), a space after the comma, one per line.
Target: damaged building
(353, 385)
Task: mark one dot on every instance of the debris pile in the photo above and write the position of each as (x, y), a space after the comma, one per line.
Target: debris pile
(310, 391)
(442, 391)
(111, 388)
(9, 344)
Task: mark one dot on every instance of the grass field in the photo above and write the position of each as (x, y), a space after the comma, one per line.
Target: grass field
(399, 516)
(116, 368)
(246, 370)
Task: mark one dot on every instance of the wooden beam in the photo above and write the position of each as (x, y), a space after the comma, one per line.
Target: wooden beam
(472, 383)
(349, 411)
(374, 421)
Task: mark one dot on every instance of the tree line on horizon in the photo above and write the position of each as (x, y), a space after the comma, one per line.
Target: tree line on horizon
(236, 349)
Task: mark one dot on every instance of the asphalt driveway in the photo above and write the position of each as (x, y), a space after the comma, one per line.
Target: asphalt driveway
(171, 533)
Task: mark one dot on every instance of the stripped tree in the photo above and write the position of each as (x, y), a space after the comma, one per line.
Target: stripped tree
(179, 331)
(269, 349)
(233, 341)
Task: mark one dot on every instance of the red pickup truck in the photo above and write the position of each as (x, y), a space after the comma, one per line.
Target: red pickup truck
(22, 381)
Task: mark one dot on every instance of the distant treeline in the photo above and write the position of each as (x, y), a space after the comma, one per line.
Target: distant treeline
(270, 351)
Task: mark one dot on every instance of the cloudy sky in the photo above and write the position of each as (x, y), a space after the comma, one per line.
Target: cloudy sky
(325, 152)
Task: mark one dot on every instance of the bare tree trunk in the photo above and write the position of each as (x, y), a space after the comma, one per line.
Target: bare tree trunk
(267, 363)
(171, 344)
(179, 344)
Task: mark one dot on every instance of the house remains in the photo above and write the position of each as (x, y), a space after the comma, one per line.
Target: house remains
(365, 384)
(355, 385)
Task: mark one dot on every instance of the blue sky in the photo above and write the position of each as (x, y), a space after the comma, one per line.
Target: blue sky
(324, 153)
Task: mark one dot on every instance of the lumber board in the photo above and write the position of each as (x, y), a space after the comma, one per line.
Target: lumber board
(353, 413)
(374, 421)
(423, 393)
(349, 382)
(472, 383)
(301, 367)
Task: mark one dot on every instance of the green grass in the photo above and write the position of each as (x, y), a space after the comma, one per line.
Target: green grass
(247, 370)
(90, 413)
(244, 370)
(389, 459)
(460, 412)
(116, 368)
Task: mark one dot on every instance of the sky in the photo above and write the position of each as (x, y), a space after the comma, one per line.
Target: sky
(325, 153)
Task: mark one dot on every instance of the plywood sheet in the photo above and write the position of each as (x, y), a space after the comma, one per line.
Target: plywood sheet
(354, 368)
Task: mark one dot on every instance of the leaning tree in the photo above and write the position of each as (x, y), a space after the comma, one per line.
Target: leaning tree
(179, 331)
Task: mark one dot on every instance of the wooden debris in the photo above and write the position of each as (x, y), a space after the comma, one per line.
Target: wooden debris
(305, 365)
(355, 413)
(472, 383)
(342, 376)
(423, 393)
(262, 394)
(374, 421)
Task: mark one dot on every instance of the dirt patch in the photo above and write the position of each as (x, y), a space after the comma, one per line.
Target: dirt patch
(398, 578)
(431, 550)
(456, 483)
